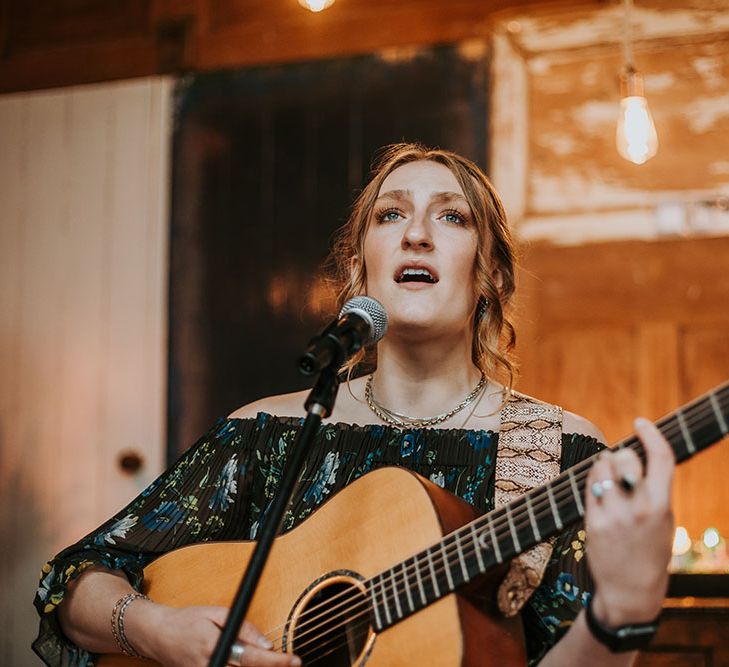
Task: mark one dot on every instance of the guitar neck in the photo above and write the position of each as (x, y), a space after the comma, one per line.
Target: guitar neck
(498, 536)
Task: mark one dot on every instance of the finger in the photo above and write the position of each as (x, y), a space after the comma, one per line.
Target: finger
(660, 461)
(627, 470)
(250, 634)
(262, 658)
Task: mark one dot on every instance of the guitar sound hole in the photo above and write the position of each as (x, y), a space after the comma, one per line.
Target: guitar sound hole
(333, 627)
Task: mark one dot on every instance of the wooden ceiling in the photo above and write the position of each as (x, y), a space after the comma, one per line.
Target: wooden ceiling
(47, 43)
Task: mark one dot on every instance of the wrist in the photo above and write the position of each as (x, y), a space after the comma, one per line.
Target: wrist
(143, 626)
(620, 637)
(615, 611)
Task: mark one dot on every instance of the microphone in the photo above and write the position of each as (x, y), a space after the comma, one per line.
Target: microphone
(361, 321)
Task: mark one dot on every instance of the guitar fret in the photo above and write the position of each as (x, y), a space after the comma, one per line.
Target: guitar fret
(375, 606)
(685, 432)
(576, 492)
(385, 603)
(553, 506)
(532, 519)
(396, 595)
(719, 415)
(419, 579)
(433, 577)
(477, 549)
(495, 543)
(446, 566)
(462, 560)
(512, 529)
(407, 587)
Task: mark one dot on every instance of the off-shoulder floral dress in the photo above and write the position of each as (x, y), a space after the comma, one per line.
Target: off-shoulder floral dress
(220, 488)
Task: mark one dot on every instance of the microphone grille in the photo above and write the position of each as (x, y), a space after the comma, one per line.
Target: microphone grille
(369, 308)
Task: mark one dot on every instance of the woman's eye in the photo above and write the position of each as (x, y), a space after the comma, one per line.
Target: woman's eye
(389, 215)
(454, 217)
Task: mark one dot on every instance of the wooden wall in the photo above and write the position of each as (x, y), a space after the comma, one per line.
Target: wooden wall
(83, 240)
(616, 330)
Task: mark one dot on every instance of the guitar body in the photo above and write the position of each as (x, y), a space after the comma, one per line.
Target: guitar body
(372, 524)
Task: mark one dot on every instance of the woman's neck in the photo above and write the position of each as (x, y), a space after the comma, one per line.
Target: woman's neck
(426, 379)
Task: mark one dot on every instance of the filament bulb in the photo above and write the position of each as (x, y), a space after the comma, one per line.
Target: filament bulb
(635, 136)
(316, 5)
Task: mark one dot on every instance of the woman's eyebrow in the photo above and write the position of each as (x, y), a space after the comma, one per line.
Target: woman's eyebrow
(396, 194)
(436, 197)
(448, 196)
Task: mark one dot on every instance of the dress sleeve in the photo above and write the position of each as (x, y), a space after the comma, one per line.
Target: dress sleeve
(201, 497)
(567, 585)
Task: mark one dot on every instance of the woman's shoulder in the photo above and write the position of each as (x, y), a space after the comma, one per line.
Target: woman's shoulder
(572, 423)
(348, 407)
(281, 405)
(575, 424)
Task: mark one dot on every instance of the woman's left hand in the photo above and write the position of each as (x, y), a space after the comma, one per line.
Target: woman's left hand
(629, 532)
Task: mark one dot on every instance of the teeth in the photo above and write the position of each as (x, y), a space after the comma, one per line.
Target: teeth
(414, 273)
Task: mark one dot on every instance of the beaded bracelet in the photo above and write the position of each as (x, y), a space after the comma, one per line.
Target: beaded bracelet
(117, 623)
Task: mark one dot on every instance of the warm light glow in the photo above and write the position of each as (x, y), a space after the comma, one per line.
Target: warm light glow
(711, 538)
(316, 5)
(681, 541)
(636, 136)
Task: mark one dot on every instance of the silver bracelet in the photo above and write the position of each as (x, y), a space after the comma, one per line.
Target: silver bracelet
(117, 623)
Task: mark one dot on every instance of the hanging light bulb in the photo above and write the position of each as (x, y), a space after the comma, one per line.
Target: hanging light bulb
(316, 5)
(635, 135)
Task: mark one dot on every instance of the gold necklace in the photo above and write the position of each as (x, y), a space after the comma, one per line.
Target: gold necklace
(404, 421)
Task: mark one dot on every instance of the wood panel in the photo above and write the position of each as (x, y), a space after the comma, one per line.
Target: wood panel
(693, 633)
(82, 345)
(611, 331)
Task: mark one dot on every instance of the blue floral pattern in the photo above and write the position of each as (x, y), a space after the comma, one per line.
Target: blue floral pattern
(221, 488)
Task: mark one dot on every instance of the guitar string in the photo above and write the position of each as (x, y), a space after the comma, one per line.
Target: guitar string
(401, 576)
(300, 645)
(394, 580)
(443, 559)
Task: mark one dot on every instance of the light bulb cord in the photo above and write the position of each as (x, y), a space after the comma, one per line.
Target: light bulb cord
(627, 36)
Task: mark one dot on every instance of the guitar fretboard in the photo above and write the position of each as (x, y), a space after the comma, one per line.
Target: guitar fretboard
(500, 535)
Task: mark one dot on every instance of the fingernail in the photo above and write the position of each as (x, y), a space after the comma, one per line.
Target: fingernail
(264, 642)
(295, 662)
(641, 422)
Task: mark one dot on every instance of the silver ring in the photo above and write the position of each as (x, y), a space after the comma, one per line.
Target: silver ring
(236, 653)
(598, 488)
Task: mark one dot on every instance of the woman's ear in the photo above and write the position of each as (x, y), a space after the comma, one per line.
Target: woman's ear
(498, 279)
(355, 267)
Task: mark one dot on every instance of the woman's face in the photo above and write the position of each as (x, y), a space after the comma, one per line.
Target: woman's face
(420, 249)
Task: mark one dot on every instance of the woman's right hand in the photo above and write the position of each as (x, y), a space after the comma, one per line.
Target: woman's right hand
(187, 636)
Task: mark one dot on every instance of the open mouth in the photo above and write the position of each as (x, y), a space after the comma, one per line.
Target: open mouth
(416, 275)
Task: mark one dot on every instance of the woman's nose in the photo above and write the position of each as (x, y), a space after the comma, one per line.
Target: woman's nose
(417, 234)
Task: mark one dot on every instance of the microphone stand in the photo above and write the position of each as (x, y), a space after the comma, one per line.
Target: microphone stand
(319, 404)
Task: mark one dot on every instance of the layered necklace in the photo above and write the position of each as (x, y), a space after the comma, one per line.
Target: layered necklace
(405, 421)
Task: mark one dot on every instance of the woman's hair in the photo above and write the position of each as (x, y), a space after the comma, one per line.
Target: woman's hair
(493, 333)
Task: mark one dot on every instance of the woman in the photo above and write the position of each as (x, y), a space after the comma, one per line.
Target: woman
(427, 238)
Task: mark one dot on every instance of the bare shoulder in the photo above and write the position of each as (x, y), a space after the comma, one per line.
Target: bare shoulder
(282, 405)
(572, 423)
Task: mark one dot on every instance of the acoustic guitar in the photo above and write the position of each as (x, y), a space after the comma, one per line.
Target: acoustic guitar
(393, 570)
